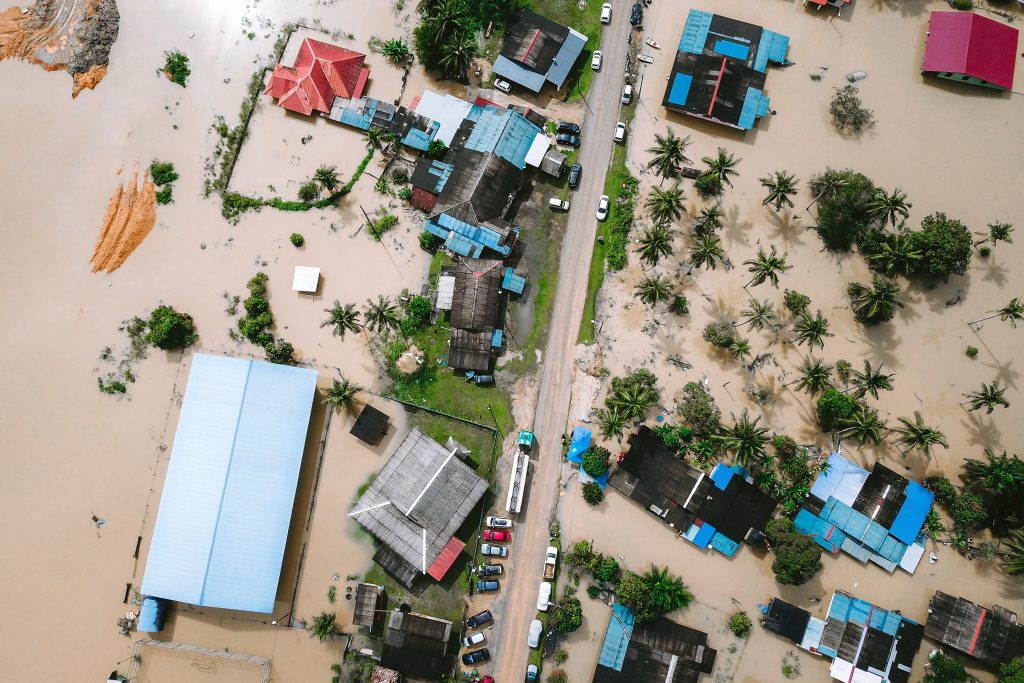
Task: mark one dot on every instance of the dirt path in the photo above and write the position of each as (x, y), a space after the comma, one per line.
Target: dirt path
(509, 644)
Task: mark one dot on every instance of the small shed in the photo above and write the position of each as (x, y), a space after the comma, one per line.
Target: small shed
(371, 426)
(306, 279)
(445, 292)
(369, 602)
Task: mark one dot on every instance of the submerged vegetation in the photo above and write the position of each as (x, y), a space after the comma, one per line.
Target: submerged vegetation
(176, 67)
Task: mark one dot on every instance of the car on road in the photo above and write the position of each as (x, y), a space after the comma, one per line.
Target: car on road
(544, 596)
(627, 93)
(606, 13)
(557, 204)
(567, 139)
(479, 619)
(575, 172)
(476, 656)
(602, 207)
(531, 673)
(496, 550)
(497, 535)
(491, 585)
(536, 628)
(473, 639)
(568, 127)
(620, 132)
(490, 569)
(637, 15)
(499, 522)
(595, 60)
(503, 86)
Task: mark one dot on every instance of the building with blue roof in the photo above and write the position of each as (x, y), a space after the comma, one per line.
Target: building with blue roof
(411, 129)
(720, 69)
(538, 51)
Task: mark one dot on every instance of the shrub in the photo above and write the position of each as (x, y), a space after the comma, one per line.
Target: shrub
(740, 624)
(297, 239)
(944, 669)
(848, 112)
(985, 252)
(615, 252)
(945, 492)
(833, 407)
(558, 676)
(567, 616)
(721, 334)
(280, 352)
(163, 195)
(608, 571)
(419, 311)
(707, 186)
(436, 149)
(400, 175)
(1012, 671)
(581, 555)
(795, 302)
(162, 172)
(843, 214)
(698, 409)
(963, 5)
(945, 246)
(168, 329)
(972, 352)
(797, 557)
(592, 493)
(843, 369)
(593, 592)
(679, 305)
(176, 67)
(382, 225)
(674, 436)
(309, 192)
(968, 511)
(595, 461)
(429, 242)
(405, 194)
(562, 655)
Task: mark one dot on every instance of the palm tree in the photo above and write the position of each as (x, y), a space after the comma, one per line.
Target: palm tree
(758, 314)
(374, 138)
(396, 51)
(655, 244)
(665, 205)
(739, 348)
(746, 440)
(877, 303)
(669, 152)
(704, 252)
(1013, 557)
(811, 330)
(889, 207)
(781, 187)
(632, 400)
(918, 435)
(380, 316)
(864, 425)
(897, 255)
(721, 167)
(998, 232)
(766, 267)
(342, 318)
(709, 219)
(989, 397)
(870, 381)
(446, 17)
(815, 376)
(327, 176)
(827, 185)
(612, 421)
(323, 626)
(1010, 313)
(666, 593)
(651, 290)
(997, 473)
(342, 394)
(459, 53)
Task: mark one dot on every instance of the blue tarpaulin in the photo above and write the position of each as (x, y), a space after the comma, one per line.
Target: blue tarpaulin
(911, 516)
(601, 481)
(680, 89)
(728, 48)
(152, 615)
(724, 545)
(721, 475)
(580, 442)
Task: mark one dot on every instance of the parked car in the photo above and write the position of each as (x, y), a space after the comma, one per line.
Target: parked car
(473, 639)
(627, 93)
(531, 673)
(606, 13)
(536, 628)
(558, 204)
(620, 132)
(496, 550)
(567, 139)
(596, 59)
(496, 535)
(602, 207)
(502, 85)
(479, 619)
(575, 172)
(476, 657)
(637, 15)
(490, 569)
(544, 596)
(568, 127)
(499, 522)
(488, 585)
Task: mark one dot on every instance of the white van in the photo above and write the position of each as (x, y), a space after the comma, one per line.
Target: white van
(544, 597)
(557, 204)
(606, 13)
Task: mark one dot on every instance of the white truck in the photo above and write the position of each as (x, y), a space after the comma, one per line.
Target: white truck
(550, 560)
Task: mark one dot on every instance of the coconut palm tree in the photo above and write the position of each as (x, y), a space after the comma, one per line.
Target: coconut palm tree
(766, 267)
(669, 152)
(827, 185)
(651, 290)
(342, 318)
(327, 177)
(380, 316)
(665, 206)
(446, 18)
(665, 592)
(739, 348)
(916, 434)
(870, 381)
(459, 53)
(864, 425)
(1013, 555)
(888, 207)
(342, 394)
(989, 397)
(781, 186)
(877, 303)
(897, 255)
(611, 421)
(705, 250)
(1010, 313)
(758, 314)
(632, 400)
(323, 626)
(997, 473)
(746, 440)
(655, 244)
(709, 220)
(374, 138)
(815, 376)
(721, 167)
(998, 232)
(811, 330)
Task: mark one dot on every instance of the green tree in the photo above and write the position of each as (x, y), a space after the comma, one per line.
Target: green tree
(595, 461)
(746, 440)
(863, 425)
(721, 334)
(567, 616)
(815, 376)
(1013, 560)
(168, 329)
(1010, 313)
(651, 290)
(720, 169)
(655, 244)
(757, 314)
(766, 267)
(871, 381)
(989, 397)
(877, 303)
(666, 592)
(323, 626)
(327, 178)
(797, 557)
(945, 246)
(916, 434)
(811, 330)
(280, 352)
(709, 220)
(705, 250)
(459, 53)
(608, 571)
(612, 421)
(740, 624)
(739, 348)
(669, 153)
(795, 302)
(374, 138)
(889, 207)
(781, 186)
(436, 149)
(848, 111)
(396, 51)
(592, 493)
(309, 192)
(969, 511)
(834, 408)
(342, 319)
(944, 669)
(342, 395)
(380, 316)
(665, 206)
(698, 409)
(1012, 671)
(843, 200)
(632, 592)
(897, 255)
(997, 232)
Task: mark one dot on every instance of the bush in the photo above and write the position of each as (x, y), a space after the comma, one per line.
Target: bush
(679, 305)
(968, 511)
(842, 215)
(176, 67)
(608, 571)
(707, 186)
(309, 192)
(673, 436)
(405, 194)
(984, 252)
(740, 624)
(972, 352)
(962, 5)
(162, 173)
(592, 493)
(382, 225)
(567, 616)
(843, 368)
(436, 149)
(848, 112)
(581, 555)
(558, 676)
(797, 557)
(168, 329)
(164, 195)
(945, 246)
(698, 409)
(400, 175)
(945, 492)
(280, 352)
(721, 334)
(429, 242)
(595, 461)
(297, 239)
(1012, 671)
(833, 407)
(944, 669)
(795, 302)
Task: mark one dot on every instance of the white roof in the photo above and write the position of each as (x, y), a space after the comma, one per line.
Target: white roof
(306, 279)
(912, 558)
(843, 670)
(447, 110)
(445, 292)
(538, 149)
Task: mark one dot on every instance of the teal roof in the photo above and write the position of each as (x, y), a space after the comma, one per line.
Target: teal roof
(442, 172)
(695, 33)
(465, 239)
(755, 105)
(506, 133)
(512, 282)
(772, 48)
(616, 639)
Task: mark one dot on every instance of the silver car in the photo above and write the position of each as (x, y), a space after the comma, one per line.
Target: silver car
(536, 628)
(496, 550)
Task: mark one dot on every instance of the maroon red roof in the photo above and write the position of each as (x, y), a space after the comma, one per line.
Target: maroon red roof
(321, 72)
(968, 43)
(449, 553)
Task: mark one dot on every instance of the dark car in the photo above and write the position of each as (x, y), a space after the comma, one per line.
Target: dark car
(568, 127)
(575, 173)
(490, 569)
(479, 619)
(476, 656)
(567, 139)
(487, 586)
(638, 14)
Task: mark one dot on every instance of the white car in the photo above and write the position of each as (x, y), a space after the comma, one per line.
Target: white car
(627, 94)
(473, 639)
(536, 628)
(544, 597)
(496, 550)
(602, 207)
(499, 523)
(620, 132)
(503, 86)
(557, 204)
(595, 60)
(606, 13)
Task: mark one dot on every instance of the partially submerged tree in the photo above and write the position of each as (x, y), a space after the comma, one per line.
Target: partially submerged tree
(327, 178)
(342, 395)
(863, 425)
(669, 152)
(766, 267)
(945, 246)
(781, 186)
(612, 421)
(396, 51)
(342, 319)
(1010, 313)
(665, 206)
(989, 397)
(888, 208)
(797, 556)
(709, 220)
(811, 330)
(834, 408)
(719, 172)
(815, 376)
(705, 250)
(655, 244)
(848, 111)
(746, 440)
(871, 381)
(595, 461)
(917, 435)
(380, 315)
(757, 314)
(323, 626)
(651, 290)
(168, 329)
(897, 255)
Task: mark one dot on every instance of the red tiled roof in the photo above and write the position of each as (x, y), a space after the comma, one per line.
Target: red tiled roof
(968, 43)
(321, 72)
(446, 559)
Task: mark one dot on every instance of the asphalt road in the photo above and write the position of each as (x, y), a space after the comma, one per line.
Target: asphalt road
(509, 647)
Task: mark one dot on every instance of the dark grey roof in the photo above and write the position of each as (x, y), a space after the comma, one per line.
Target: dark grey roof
(475, 302)
(480, 189)
(470, 350)
(533, 41)
(662, 651)
(789, 621)
(367, 600)
(993, 636)
(416, 644)
(371, 425)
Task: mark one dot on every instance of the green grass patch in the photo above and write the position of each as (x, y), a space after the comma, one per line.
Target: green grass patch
(588, 22)
(481, 443)
(436, 600)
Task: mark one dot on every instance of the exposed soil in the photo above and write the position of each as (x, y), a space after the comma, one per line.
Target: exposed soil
(131, 214)
(73, 35)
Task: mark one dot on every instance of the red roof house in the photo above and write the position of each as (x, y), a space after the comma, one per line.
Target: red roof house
(970, 48)
(322, 72)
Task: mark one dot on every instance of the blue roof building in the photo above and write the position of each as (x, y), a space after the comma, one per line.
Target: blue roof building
(411, 129)
(538, 51)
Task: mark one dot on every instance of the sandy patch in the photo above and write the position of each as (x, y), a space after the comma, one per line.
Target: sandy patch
(131, 214)
(409, 362)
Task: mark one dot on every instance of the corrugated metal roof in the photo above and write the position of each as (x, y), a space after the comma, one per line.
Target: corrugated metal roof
(616, 638)
(444, 561)
(911, 516)
(566, 58)
(967, 43)
(227, 501)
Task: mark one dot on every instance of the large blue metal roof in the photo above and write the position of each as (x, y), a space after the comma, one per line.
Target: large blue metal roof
(227, 501)
(566, 58)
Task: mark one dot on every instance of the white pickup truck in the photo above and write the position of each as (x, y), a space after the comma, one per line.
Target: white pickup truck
(550, 560)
